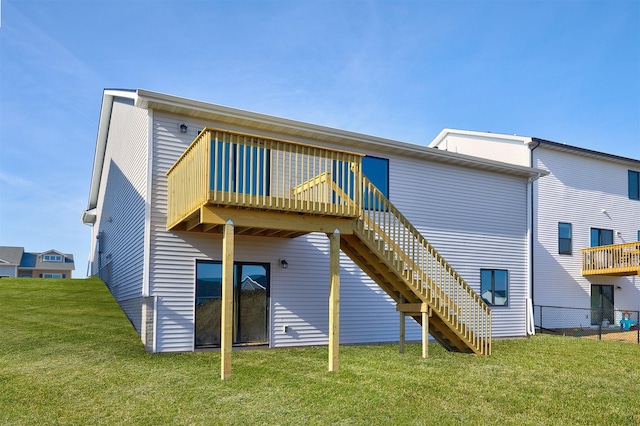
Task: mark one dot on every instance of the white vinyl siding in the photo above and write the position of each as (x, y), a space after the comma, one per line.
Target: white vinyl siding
(476, 219)
(122, 202)
(171, 255)
(299, 296)
(589, 193)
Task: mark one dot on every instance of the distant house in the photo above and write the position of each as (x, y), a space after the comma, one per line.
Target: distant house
(585, 217)
(15, 262)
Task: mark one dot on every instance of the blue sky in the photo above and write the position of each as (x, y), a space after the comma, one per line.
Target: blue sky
(567, 71)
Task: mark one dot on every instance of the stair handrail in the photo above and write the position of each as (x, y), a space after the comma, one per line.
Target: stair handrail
(376, 204)
(412, 229)
(443, 301)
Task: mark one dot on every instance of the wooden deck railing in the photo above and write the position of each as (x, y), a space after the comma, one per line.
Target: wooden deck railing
(615, 259)
(412, 255)
(235, 169)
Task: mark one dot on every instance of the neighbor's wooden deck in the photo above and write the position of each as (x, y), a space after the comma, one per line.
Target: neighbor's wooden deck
(615, 259)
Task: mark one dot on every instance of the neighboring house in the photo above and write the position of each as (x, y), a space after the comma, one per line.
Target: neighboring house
(15, 262)
(586, 220)
(10, 258)
(183, 192)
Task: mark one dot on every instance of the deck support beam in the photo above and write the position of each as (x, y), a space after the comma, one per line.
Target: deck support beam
(334, 300)
(210, 216)
(226, 327)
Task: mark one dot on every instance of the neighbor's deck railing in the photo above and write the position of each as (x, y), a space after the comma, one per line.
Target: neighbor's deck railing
(615, 259)
(235, 169)
(425, 269)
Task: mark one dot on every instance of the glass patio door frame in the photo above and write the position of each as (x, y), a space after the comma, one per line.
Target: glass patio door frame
(207, 318)
(602, 299)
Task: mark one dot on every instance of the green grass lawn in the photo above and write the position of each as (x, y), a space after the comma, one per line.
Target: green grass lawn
(68, 355)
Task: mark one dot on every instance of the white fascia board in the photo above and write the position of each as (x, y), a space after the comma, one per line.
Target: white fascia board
(189, 107)
(498, 137)
(101, 140)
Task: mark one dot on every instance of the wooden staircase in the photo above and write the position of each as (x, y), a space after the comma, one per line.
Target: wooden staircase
(402, 262)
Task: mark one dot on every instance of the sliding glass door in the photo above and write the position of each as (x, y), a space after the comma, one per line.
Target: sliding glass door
(602, 307)
(250, 303)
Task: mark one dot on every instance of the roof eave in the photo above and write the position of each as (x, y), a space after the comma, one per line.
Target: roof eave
(190, 107)
(557, 146)
(101, 140)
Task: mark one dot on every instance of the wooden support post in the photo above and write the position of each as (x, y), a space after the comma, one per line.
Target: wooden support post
(226, 325)
(402, 327)
(402, 333)
(425, 334)
(334, 300)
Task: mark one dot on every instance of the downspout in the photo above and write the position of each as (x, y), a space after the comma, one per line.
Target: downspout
(531, 221)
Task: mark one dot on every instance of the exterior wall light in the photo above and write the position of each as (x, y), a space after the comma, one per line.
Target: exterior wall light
(183, 128)
(284, 264)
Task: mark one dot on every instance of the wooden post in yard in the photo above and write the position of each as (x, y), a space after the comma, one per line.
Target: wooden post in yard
(226, 325)
(425, 332)
(334, 300)
(402, 327)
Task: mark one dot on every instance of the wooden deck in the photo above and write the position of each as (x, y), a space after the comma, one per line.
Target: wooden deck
(615, 259)
(243, 173)
(237, 184)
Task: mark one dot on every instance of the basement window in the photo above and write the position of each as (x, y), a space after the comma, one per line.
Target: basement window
(494, 286)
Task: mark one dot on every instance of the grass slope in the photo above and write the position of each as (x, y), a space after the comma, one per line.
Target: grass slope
(69, 356)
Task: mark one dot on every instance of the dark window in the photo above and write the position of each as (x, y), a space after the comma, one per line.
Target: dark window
(634, 185)
(601, 237)
(564, 238)
(377, 171)
(494, 286)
